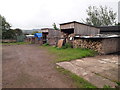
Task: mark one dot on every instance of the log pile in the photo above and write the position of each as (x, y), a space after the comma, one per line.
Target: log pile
(87, 43)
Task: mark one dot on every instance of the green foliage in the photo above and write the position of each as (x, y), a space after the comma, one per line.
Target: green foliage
(18, 32)
(100, 16)
(106, 86)
(11, 34)
(78, 81)
(8, 33)
(46, 44)
(118, 83)
(55, 27)
(69, 54)
(67, 45)
(5, 24)
(0, 27)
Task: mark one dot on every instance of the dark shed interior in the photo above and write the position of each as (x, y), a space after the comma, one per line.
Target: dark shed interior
(45, 37)
(67, 31)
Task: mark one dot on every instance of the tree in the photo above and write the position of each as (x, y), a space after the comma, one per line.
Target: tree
(9, 34)
(5, 28)
(0, 22)
(18, 32)
(0, 27)
(100, 16)
(5, 25)
(55, 27)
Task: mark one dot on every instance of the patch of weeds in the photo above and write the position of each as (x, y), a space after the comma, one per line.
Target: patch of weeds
(67, 45)
(46, 44)
(118, 83)
(106, 86)
(78, 81)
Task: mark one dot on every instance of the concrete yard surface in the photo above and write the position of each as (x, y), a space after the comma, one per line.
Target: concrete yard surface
(99, 70)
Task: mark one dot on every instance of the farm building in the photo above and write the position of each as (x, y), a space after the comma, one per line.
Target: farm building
(50, 36)
(78, 28)
(110, 30)
(38, 38)
(104, 45)
(54, 36)
(86, 36)
(45, 34)
(30, 39)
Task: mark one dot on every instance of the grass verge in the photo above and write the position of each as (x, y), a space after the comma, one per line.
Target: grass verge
(15, 43)
(69, 54)
(78, 81)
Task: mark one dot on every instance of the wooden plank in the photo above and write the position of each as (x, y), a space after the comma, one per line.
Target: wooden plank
(60, 43)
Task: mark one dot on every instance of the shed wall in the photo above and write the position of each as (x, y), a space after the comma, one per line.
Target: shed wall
(67, 26)
(110, 45)
(85, 30)
(44, 30)
(53, 36)
(112, 33)
(54, 33)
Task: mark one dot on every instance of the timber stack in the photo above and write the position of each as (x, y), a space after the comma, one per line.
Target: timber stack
(89, 44)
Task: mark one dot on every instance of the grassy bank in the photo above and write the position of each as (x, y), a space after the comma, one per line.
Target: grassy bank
(69, 54)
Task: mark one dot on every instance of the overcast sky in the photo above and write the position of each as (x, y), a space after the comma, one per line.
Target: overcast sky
(32, 14)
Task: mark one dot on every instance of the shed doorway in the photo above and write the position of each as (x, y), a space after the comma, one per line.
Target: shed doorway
(67, 31)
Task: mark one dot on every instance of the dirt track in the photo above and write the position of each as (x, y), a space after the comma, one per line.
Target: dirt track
(27, 66)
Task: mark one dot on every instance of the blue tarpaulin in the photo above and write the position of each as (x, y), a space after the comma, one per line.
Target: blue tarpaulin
(38, 35)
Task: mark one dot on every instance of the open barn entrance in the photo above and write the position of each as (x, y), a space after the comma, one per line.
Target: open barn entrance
(67, 31)
(45, 34)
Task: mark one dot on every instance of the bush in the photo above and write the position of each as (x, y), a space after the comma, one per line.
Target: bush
(46, 44)
(67, 45)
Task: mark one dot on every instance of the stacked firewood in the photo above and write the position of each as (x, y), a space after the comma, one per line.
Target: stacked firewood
(90, 44)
